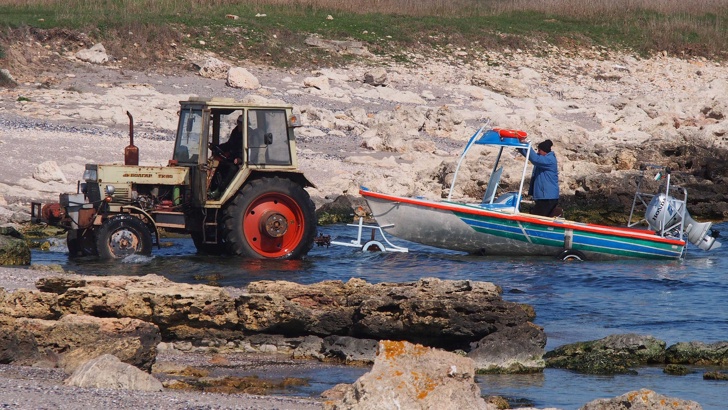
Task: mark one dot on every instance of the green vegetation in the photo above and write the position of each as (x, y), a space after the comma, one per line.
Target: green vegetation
(274, 30)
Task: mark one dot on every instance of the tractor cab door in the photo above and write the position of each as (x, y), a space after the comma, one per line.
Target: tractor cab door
(267, 138)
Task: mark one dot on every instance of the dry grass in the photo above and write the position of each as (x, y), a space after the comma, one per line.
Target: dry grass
(566, 8)
(686, 27)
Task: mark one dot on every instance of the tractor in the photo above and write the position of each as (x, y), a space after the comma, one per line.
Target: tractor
(245, 199)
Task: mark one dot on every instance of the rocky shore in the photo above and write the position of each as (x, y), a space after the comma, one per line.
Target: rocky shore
(390, 126)
(180, 333)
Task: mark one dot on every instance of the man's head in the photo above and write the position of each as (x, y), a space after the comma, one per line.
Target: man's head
(545, 147)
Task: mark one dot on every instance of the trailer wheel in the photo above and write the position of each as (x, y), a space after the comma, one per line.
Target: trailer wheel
(571, 255)
(122, 236)
(270, 218)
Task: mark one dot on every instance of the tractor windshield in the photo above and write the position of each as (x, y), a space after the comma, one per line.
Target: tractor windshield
(187, 147)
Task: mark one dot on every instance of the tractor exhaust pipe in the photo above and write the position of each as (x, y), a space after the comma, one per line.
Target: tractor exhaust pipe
(131, 153)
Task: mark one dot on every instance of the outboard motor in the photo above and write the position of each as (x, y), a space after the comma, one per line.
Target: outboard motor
(664, 214)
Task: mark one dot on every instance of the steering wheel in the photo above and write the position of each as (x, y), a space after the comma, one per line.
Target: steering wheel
(216, 150)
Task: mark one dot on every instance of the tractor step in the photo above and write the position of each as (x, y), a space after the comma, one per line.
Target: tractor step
(209, 229)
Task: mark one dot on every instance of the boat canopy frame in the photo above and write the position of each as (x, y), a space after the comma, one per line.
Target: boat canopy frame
(502, 139)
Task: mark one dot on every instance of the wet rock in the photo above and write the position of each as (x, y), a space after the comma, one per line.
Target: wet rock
(517, 349)
(715, 376)
(349, 349)
(698, 353)
(108, 372)
(411, 376)
(13, 250)
(611, 355)
(343, 209)
(642, 400)
(676, 370)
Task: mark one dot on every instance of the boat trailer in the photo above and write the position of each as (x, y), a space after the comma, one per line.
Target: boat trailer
(370, 245)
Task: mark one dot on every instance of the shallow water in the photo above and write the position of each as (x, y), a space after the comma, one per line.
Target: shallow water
(574, 301)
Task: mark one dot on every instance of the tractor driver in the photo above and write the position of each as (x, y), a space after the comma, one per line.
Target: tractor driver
(231, 153)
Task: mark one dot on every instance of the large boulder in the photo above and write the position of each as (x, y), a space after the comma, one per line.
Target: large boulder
(409, 376)
(440, 313)
(611, 355)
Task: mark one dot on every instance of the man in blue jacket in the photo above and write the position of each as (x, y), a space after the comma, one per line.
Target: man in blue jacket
(544, 188)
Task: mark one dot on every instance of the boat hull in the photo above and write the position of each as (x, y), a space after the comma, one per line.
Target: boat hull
(477, 230)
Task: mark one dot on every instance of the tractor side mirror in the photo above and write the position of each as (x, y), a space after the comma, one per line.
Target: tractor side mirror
(268, 138)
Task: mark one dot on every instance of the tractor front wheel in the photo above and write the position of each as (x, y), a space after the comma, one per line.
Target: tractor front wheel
(122, 236)
(270, 218)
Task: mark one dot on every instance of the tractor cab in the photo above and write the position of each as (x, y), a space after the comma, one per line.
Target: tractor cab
(206, 141)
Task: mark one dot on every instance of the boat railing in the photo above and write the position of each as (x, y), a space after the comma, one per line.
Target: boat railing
(641, 198)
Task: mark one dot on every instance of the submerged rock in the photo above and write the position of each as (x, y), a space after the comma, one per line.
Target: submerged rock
(698, 353)
(610, 355)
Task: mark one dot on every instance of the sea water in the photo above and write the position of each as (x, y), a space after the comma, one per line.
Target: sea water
(675, 301)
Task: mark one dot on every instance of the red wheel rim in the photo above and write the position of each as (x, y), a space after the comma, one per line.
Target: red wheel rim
(273, 211)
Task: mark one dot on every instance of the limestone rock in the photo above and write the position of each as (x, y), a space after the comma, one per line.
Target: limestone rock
(642, 400)
(94, 55)
(320, 82)
(108, 372)
(434, 312)
(411, 376)
(376, 76)
(214, 68)
(49, 171)
(238, 77)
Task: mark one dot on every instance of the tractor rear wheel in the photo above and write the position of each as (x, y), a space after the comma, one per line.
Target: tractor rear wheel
(123, 236)
(270, 218)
